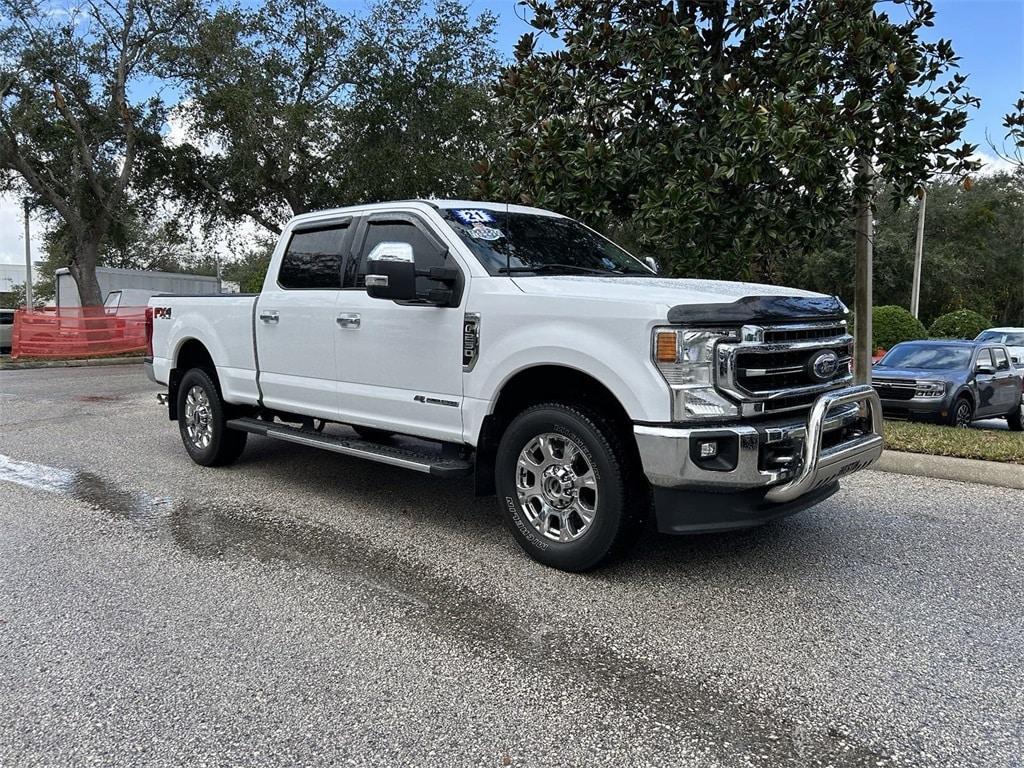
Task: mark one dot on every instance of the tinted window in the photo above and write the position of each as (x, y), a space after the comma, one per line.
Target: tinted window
(930, 357)
(1009, 338)
(528, 243)
(6, 318)
(313, 259)
(425, 251)
(1002, 361)
(984, 358)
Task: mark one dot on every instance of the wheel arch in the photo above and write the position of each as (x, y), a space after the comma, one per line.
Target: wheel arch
(190, 353)
(537, 384)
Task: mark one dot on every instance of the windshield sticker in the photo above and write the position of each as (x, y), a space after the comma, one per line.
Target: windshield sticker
(471, 216)
(480, 232)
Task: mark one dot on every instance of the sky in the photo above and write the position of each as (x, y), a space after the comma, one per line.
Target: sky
(988, 35)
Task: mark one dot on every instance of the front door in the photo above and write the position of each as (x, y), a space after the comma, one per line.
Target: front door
(296, 325)
(987, 385)
(399, 365)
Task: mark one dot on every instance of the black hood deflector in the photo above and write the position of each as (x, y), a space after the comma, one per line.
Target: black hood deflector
(760, 309)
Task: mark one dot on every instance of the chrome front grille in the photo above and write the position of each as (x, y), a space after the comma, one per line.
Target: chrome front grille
(771, 368)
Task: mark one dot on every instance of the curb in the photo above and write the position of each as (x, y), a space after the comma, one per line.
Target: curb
(994, 473)
(15, 366)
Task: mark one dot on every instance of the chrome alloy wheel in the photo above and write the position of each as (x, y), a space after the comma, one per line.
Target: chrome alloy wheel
(557, 487)
(198, 417)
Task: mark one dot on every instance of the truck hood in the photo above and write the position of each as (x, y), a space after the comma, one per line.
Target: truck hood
(677, 297)
(659, 290)
(910, 374)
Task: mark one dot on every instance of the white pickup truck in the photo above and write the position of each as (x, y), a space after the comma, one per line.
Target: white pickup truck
(522, 348)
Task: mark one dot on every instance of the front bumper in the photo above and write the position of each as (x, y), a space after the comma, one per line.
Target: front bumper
(936, 408)
(768, 469)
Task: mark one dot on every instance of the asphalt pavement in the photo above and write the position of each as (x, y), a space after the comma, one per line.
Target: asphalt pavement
(301, 608)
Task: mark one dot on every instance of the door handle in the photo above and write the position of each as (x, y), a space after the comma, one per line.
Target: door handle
(348, 320)
(269, 316)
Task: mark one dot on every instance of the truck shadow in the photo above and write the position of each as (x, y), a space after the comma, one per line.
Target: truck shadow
(445, 506)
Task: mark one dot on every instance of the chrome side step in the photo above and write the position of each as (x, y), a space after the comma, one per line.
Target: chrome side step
(425, 461)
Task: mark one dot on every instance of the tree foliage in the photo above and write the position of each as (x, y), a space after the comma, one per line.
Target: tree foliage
(961, 324)
(725, 135)
(891, 325)
(973, 252)
(72, 139)
(291, 106)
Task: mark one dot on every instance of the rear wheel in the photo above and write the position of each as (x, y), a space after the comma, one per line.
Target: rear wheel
(1015, 419)
(962, 412)
(202, 421)
(568, 486)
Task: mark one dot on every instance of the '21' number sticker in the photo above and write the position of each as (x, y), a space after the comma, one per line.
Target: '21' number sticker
(471, 216)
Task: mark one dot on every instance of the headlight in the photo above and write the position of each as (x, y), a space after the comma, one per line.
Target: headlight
(930, 389)
(685, 357)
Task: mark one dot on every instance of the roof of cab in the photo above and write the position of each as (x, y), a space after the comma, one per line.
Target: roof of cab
(435, 204)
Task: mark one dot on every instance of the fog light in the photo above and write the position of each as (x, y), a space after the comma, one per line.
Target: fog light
(708, 449)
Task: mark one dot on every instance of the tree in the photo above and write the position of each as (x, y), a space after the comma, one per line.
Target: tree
(297, 107)
(1013, 122)
(974, 237)
(726, 133)
(72, 138)
(251, 268)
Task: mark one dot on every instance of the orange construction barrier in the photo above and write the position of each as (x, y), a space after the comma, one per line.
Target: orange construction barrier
(78, 331)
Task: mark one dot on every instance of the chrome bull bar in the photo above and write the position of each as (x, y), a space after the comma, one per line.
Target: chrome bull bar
(819, 467)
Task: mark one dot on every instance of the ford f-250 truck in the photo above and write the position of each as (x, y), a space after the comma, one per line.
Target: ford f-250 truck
(523, 348)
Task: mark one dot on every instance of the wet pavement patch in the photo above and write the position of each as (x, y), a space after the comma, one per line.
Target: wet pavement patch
(675, 705)
(98, 398)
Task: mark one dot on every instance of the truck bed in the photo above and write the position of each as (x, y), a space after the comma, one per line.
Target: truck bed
(223, 323)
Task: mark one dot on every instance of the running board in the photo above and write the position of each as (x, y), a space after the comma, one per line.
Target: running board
(395, 455)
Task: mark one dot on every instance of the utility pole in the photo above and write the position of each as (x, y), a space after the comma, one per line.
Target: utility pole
(915, 293)
(28, 262)
(863, 254)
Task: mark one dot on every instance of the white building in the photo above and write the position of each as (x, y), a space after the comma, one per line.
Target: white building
(10, 276)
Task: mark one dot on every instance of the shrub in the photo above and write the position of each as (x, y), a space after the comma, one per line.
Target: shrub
(962, 324)
(891, 325)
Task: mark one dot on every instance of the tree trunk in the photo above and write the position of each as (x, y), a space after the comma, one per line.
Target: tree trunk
(863, 254)
(83, 269)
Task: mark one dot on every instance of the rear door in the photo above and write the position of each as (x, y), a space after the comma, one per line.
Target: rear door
(399, 366)
(296, 322)
(1006, 381)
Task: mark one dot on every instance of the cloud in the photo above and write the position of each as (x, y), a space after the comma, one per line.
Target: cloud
(992, 164)
(12, 232)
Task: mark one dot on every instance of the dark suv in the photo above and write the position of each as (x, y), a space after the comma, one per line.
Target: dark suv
(954, 382)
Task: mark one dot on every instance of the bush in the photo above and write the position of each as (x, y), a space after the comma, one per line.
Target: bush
(891, 325)
(962, 324)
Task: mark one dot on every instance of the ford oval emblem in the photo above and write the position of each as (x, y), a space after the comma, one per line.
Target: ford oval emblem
(823, 365)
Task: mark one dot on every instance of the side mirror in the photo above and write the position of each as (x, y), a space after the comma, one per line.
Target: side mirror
(652, 262)
(984, 368)
(391, 272)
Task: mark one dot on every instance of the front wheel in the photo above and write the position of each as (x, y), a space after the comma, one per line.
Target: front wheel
(202, 421)
(568, 486)
(962, 413)
(1015, 420)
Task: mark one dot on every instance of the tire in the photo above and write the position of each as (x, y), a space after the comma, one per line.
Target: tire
(370, 433)
(962, 412)
(203, 422)
(556, 465)
(1015, 419)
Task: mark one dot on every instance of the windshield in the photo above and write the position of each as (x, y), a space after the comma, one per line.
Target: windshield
(927, 357)
(531, 244)
(1009, 338)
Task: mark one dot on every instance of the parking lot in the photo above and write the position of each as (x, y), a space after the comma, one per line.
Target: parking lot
(301, 607)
